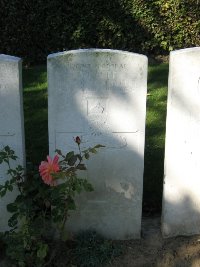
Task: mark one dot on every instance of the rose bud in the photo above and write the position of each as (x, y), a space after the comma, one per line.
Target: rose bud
(78, 140)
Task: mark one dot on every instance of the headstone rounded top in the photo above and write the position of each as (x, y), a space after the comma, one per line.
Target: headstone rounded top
(95, 50)
(185, 50)
(4, 57)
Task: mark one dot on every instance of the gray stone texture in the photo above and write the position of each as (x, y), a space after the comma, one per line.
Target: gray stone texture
(181, 192)
(100, 95)
(11, 122)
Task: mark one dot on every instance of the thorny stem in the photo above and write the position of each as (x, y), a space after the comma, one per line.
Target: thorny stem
(44, 216)
(9, 168)
(63, 222)
(79, 150)
(80, 153)
(8, 162)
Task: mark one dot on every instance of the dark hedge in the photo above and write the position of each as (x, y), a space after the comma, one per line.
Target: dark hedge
(34, 28)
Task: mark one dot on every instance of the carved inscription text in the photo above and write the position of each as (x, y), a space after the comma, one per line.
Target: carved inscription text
(108, 76)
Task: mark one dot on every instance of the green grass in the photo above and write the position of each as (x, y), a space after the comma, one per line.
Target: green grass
(35, 113)
(36, 126)
(155, 137)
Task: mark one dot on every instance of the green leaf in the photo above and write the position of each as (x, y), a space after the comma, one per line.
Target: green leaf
(81, 167)
(2, 193)
(87, 155)
(59, 152)
(6, 184)
(12, 222)
(7, 148)
(98, 146)
(78, 188)
(72, 160)
(10, 188)
(19, 199)
(21, 264)
(93, 150)
(19, 168)
(11, 207)
(69, 155)
(65, 236)
(42, 251)
(87, 186)
(13, 157)
(71, 205)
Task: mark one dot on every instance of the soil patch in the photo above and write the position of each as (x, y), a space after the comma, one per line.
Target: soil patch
(150, 251)
(154, 251)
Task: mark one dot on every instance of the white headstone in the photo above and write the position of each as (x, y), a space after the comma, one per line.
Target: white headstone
(11, 122)
(181, 196)
(100, 95)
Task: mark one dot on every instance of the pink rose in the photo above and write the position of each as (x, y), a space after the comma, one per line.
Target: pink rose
(47, 168)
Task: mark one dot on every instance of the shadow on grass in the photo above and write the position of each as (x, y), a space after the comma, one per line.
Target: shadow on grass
(157, 76)
(35, 114)
(35, 77)
(155, 138)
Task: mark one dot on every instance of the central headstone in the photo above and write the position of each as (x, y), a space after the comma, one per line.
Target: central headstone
(100, 95)
(11, 123)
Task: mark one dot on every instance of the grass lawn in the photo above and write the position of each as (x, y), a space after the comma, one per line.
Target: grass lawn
(36, 126)
(155, 137)
(35, 113)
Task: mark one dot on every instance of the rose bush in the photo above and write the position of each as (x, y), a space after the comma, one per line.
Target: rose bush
(42, 206)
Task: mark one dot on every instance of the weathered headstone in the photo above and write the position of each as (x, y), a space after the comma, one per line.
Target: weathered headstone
(181, 196)
(100, 95)
(11, 121)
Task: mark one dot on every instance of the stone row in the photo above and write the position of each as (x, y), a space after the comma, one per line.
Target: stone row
(100, 95)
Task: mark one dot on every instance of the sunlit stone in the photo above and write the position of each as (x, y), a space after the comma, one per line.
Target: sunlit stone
(100, 95)
(11, 122)
(181, 196)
